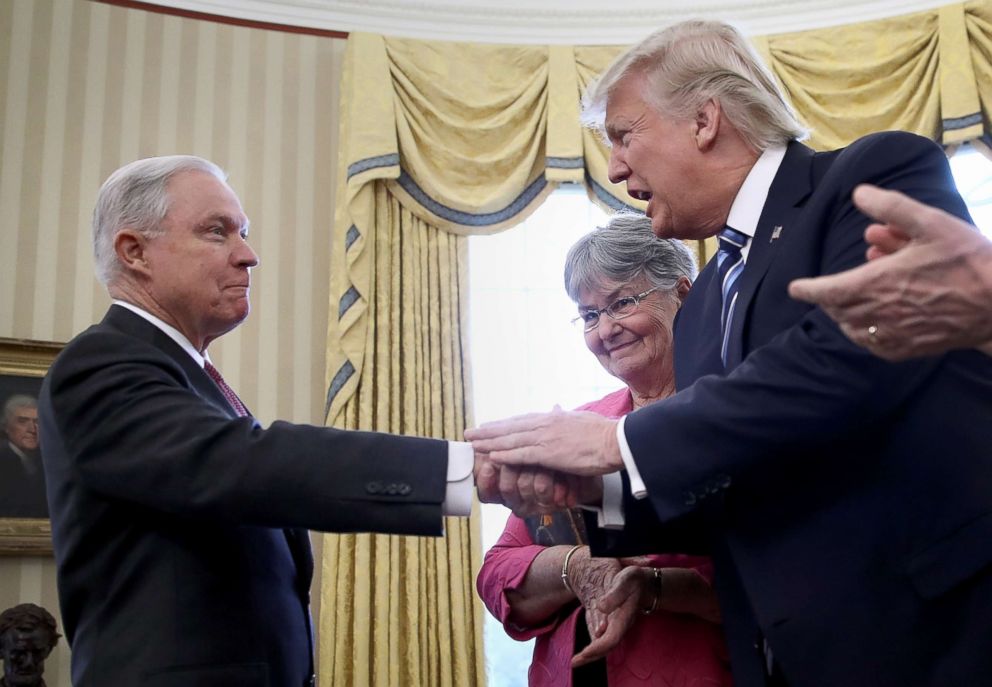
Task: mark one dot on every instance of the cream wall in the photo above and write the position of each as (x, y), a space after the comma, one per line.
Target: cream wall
(86, 87)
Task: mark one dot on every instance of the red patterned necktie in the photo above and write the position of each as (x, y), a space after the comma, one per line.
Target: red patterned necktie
(228, 392)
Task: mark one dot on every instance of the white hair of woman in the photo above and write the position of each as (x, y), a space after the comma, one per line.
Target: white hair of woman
(622, 252)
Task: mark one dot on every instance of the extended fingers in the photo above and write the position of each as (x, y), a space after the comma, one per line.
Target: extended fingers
(487, 480)
(507, 426)
(509, 488)
(598, 647)
(616, 626)
(884, 239)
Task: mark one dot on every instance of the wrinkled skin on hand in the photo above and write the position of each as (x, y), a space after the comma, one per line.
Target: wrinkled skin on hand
(926, 289)
(590, 579)
(619, 605)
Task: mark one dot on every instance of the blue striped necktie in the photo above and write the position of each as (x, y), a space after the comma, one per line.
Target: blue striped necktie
(730, 264)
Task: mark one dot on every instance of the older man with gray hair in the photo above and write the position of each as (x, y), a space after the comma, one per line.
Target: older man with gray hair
(847, 499)
(178, 522)
(22, 479)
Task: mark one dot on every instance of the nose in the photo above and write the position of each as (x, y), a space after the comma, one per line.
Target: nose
(617, 169)
(245, 256)
(608, 327)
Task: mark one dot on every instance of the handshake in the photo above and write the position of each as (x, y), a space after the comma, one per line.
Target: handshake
(544, 462)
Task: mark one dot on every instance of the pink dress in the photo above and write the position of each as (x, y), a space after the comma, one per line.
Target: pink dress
(665, 649)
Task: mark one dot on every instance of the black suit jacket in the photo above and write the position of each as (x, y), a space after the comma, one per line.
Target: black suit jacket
(177, 526)
(22, 494)
(847, 500)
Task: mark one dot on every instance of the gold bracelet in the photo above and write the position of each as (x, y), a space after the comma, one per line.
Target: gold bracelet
(657, 593)
(564, 567)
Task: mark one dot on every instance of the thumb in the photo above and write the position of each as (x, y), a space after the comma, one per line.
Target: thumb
(611, 599)
(912, 217)
(817, 290)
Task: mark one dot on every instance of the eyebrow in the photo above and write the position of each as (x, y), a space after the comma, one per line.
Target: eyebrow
(612, 297)
(610, 132)
(228, 220)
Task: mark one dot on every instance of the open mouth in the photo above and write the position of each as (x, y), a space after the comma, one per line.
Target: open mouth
(640, 195)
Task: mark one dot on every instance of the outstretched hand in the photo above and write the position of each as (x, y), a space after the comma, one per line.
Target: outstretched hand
(925, 290)
(576, 442)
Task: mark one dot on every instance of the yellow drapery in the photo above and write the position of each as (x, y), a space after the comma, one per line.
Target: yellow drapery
(442, 140)
(401, 610)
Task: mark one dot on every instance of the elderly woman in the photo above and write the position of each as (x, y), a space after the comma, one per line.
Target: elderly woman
(539, 579)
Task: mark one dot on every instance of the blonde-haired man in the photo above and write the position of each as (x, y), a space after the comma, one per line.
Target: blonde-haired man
(847, 499)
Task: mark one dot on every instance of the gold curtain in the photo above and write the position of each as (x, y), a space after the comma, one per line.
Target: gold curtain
(922, 72)
(402, 610)
(443, 140)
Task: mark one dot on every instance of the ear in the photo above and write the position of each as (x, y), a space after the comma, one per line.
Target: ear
(707, 124)
(682, 287)
(130, 247)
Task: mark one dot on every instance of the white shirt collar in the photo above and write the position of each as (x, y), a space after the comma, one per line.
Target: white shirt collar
(750, 199)
(168, 329)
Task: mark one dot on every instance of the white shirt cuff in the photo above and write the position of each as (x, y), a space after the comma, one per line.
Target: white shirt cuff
(610, 515)
(637, 487)
(461, 480)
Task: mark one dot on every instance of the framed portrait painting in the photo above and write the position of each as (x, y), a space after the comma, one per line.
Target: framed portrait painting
(24, 525)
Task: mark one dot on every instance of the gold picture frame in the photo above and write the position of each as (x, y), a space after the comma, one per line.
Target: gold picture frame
(23, 364)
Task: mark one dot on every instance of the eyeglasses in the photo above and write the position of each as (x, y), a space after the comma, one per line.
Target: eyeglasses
(617, 310)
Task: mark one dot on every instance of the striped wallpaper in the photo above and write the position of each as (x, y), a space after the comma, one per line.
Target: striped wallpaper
(86, 87)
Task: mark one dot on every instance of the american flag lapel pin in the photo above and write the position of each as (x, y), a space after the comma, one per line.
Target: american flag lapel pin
(776, 232)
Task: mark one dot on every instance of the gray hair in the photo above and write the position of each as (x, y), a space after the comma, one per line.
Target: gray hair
(136, 197)
(621, 252)
(689, 63)
(15, 402)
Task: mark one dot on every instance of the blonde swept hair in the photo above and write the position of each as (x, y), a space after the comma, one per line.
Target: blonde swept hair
(689, 63)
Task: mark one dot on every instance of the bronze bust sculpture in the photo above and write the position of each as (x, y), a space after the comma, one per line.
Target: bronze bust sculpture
(27, 637)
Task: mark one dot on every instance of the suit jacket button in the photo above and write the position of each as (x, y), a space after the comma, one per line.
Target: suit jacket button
(724, 481)
(405, 489)
(373, 487)
(391, 489)
(690, 498)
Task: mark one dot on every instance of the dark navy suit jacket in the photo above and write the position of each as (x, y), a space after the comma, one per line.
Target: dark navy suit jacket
(178, 528)
(847, 501)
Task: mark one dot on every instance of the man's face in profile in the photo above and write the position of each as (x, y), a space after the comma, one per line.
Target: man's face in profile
(200, 266)
(22, 428)
(24, 654)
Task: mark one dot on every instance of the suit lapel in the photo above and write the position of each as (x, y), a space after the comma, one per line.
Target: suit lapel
(134, 325)
(126, 321)
(789, 188)
(697, 331)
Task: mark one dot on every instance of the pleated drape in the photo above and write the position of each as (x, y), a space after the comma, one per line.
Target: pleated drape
(402, 610)
(443, 140)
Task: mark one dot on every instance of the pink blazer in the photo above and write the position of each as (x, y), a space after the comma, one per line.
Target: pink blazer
(666, 649)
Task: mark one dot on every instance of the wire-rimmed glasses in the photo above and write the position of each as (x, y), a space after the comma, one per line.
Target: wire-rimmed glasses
(622, 307)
